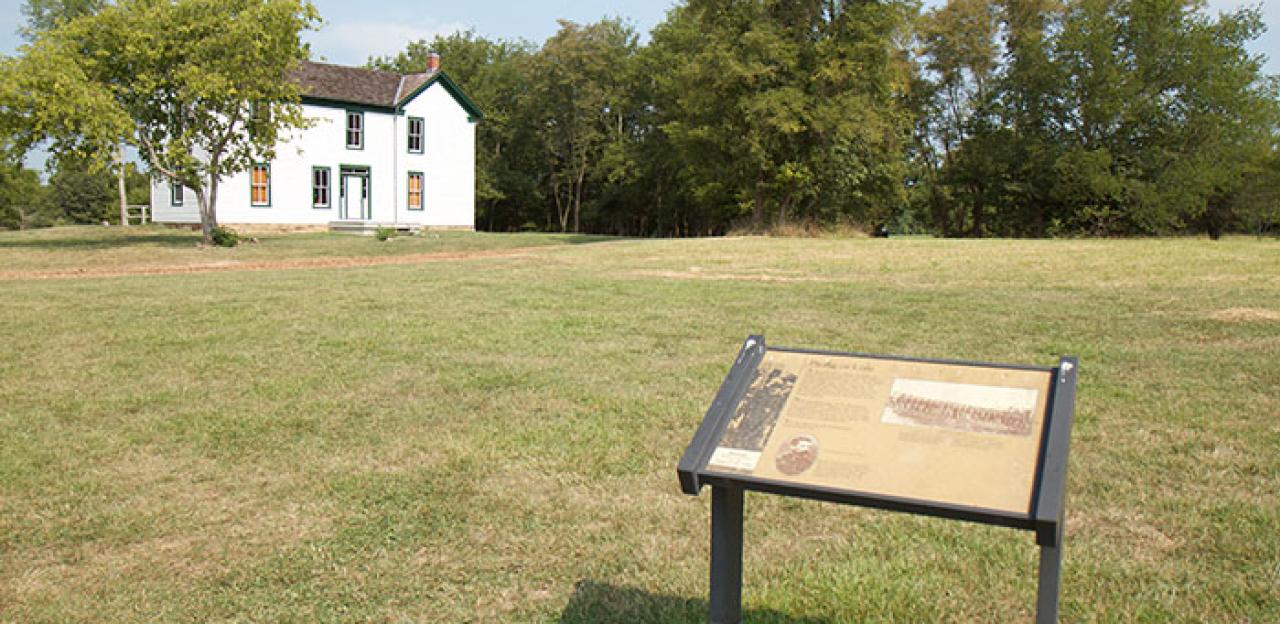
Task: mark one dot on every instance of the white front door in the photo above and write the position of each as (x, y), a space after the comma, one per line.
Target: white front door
(355, 197)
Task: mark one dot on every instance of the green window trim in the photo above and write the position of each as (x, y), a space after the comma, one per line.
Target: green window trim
(366, 171)
(420, 135)
(356, 131)
(176, 194)
(422, 191)
(326, 189)
(253, 185)
(343, 105)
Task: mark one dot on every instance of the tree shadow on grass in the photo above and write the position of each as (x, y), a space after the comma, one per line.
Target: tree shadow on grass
(597, 603)
(586, 239)
(91, 237)
(109, 240)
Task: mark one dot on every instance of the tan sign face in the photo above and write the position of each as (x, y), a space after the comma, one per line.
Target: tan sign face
(963, 435)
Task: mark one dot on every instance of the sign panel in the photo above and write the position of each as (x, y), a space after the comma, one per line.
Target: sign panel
(955, 434)
(964, 440)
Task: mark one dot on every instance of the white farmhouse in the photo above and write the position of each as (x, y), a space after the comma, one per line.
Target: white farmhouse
(386, 150)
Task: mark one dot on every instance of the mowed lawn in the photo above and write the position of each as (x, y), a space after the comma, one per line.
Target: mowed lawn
(494, 439)
(94, 248)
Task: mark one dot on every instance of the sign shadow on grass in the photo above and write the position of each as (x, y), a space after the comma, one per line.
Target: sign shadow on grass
(595, 603)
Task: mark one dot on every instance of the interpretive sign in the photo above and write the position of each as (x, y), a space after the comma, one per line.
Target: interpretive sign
(965, 440)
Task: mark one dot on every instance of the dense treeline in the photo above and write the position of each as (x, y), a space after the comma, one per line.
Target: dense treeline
(1096, 116)
(75, 193)
(978, 118)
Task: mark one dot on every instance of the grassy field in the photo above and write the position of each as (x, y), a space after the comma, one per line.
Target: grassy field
(494, 439)
(93, 247)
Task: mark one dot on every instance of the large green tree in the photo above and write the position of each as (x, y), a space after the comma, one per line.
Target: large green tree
(1167, 107)
(960, 47)
(45, 15)
(580, 100)
(23, 200)
(79, 192)
(783, 107)
(496, 75)
(198, 86)
(1103, 117)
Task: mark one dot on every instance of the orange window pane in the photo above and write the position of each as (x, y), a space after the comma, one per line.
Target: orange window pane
(415, 191)
(259, 185)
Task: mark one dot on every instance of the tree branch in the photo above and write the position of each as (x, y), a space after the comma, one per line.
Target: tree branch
(155, 159)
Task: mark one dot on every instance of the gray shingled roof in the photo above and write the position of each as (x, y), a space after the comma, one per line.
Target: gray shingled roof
(355, 85)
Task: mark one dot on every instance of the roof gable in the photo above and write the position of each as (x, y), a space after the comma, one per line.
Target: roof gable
(337, 84)
(449, 85)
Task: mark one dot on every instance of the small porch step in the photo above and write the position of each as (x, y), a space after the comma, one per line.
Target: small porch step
(368, 228)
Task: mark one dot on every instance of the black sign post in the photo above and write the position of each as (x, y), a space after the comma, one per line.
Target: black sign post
(731, 413)
(726, 554)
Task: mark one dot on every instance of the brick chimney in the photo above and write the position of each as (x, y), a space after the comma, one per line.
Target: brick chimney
(433, 62)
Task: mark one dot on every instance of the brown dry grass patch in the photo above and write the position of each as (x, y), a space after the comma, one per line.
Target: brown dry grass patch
(266, 265)
(695, 273)
(1245, 315)
(200, 522)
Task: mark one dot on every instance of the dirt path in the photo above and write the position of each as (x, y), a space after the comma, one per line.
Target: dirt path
(268, 265)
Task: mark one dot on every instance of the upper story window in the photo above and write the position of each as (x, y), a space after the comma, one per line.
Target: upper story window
(175, 194)
(416, 126)
(259, 118)
(260, 185)
(355, 130)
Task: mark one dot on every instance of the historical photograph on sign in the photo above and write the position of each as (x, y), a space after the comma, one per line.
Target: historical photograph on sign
(753, 422)
(961, 407)
(797, 455)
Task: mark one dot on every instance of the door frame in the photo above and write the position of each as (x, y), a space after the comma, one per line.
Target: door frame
(355, 171)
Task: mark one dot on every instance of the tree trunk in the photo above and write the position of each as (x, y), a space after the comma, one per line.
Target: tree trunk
(757, 207)
(206, 228)
(577, 199)
(782, 211)
(208, 209)
(124, 196)
(562, 210)
(976, 231)
(1215, 221)
(213, 202)
(941, 214)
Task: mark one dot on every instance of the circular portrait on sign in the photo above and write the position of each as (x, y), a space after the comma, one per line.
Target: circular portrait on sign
(797, 455)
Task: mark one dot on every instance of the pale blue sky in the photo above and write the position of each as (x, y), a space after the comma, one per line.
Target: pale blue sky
(354, 31)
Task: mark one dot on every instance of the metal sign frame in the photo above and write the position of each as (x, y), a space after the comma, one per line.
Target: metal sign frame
(1045, 516)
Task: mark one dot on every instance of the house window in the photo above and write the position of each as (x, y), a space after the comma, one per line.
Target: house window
(319, 187)
(260, 185)
(415, 134)
(355, 130)
(259, 118)
(415, 190)
(175, 194)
